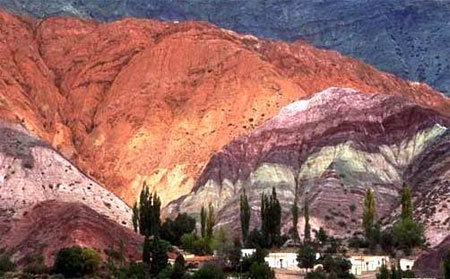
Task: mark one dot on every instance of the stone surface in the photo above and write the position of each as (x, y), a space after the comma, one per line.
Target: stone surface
(407, 37)
(52, 225)
(140, 100)
(336, 145)
(429, 264)
(31, 172)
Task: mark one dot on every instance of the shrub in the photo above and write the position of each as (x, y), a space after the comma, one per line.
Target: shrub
(133, 271)
(6, 265)
(76, 262)
(173, 230)
(408, 234)
(260, 271)
(209, 272)
(316, 274)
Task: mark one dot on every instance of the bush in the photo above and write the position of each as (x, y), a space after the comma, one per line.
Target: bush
(34, 264)
(257, 239)
(316, 274)
(260, 271)
(6, 265)
(408, 234)
(173, 230)
(133, 271)
(209, 272)
(195, 245)
(76, 262)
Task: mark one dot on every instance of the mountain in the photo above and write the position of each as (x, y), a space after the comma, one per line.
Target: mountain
(332, 148)
(137, 100)
(47, 203)
(407, 37)
(429, 263)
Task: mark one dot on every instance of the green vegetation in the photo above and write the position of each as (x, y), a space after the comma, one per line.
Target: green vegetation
(395, 273)
(76, 262)
(446, 266)
(307, 225)
(210, 221)
(260, 270)
(369, 212)
(6, 264)
(209, 272)
(271, 219)
(203, 221)
(294, 211)
(306, 256)
(245, 215)
(173, 230)
(146, 215)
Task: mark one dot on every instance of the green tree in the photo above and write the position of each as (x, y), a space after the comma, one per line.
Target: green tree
(210, 221)
(294, 211)
(369, 212)
(6, 265)
(408, 234)
(446, 266)
(209, 272)
(76, 262)
(179, 268)
(203, 216)
(316, 274)
(383, 273)
(407, 211)
(337, 267)
(158, 256)
(260, 271)
(306, 256)
(245, 214)
(146, 215)
(135, 217)
(271, 218)
(307, 225)
(322, 235)
(173, 230)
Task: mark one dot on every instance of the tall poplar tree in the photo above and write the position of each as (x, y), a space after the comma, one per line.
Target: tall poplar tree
(307, 225)
(369, 212)
(245, 216)
(210, 221)
(407, 212)
(270, 217)
(147, 215)
(203, 221)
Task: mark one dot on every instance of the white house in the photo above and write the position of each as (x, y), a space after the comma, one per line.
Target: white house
(406, 264)
(248, 252)
(362, 264)
(281, 260)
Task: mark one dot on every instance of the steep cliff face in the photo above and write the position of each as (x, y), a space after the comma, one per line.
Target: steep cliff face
(47, 203)
(408, 38)
(142, 100)
(334, 147)
(52, 225)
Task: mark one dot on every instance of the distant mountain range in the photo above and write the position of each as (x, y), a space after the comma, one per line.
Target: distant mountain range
(410, 38)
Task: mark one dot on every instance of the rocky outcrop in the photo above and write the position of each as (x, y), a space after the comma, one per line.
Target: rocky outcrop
(31, 172)
(47, 203)
(334, 147)
(430, 263)
(52, 225)
(131, 101)
(408, 38)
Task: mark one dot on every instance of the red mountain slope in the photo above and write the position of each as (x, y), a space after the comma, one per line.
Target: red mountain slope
(142, 100)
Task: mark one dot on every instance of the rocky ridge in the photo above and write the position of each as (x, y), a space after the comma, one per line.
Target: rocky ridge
(47, 203)
(104, 94)
(334, 146)
(407, 37)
